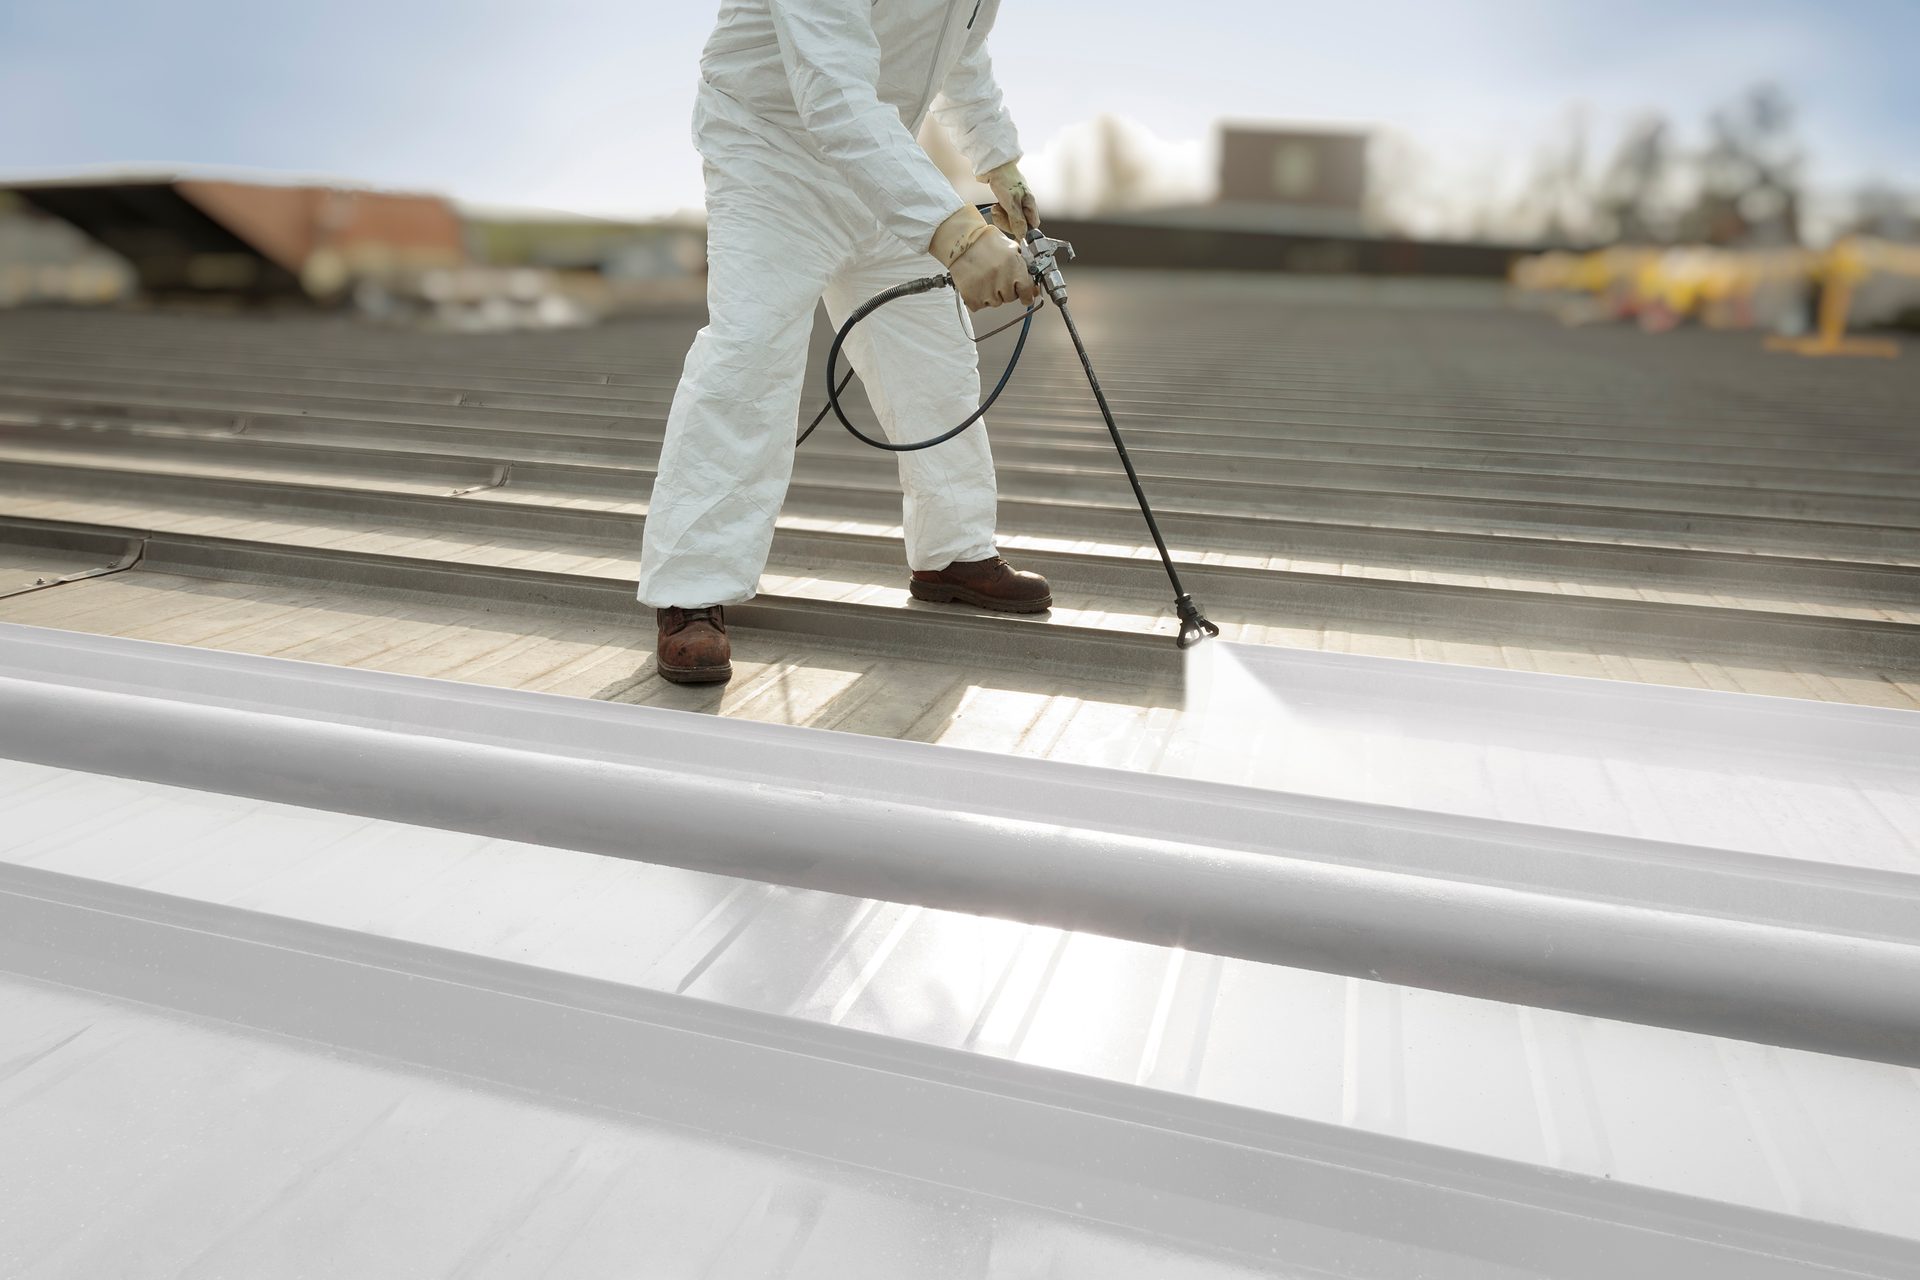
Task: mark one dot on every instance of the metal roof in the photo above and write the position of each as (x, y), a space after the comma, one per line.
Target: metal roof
(1400, 469)
(1352, 472)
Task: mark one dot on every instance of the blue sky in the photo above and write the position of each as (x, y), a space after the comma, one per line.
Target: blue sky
(583, 103)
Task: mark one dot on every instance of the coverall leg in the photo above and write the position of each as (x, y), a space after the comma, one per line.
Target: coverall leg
(782, 229)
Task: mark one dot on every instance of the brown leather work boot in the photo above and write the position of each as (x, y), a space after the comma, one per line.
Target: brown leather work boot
(693, 646)
(988, 584)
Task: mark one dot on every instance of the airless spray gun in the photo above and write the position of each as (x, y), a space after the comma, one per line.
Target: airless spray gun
(1044, 255)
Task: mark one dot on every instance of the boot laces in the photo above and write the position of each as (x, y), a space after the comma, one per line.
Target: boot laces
(679, 619)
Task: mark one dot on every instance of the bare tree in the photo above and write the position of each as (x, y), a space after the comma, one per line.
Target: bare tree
(1750, 173)
(1556, 202)
(1632, 189)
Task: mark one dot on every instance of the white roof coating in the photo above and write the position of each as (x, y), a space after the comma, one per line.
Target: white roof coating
(1786, 951)
(326, 1136)
(1783, 777)
(289, 1007)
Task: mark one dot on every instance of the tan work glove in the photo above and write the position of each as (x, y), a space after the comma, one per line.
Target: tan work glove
(987, 269)
(1014, 209)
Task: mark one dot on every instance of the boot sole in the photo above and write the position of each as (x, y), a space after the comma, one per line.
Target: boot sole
(941, 593)
(695, 675)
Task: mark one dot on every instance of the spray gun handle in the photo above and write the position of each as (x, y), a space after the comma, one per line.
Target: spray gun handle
(1043, 254)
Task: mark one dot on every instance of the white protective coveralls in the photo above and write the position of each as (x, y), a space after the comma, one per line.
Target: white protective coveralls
(806, 120)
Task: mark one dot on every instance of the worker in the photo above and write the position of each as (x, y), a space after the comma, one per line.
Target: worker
(806, 119)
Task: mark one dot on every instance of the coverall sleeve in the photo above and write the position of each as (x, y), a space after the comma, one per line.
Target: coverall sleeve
(832, 59)
(969, 106)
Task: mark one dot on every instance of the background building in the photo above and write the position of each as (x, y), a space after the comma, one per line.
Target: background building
(1293, 179)
(394, 255)
(188, 236)
(44, 259)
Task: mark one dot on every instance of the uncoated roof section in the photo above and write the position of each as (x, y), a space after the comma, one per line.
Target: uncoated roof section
(1393, 467)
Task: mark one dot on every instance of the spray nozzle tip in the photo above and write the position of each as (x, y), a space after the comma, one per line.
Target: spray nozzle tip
(1194, 626)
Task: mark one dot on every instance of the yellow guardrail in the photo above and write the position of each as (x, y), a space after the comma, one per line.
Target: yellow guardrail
(1661, 288)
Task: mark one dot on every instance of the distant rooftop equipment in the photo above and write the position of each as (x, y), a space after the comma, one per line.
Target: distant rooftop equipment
(208, 237)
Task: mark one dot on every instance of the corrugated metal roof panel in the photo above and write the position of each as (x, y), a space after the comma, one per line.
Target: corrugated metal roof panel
(1380, 468)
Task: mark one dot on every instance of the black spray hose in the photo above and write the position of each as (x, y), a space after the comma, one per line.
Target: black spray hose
(926, 284)
(1194, 625)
